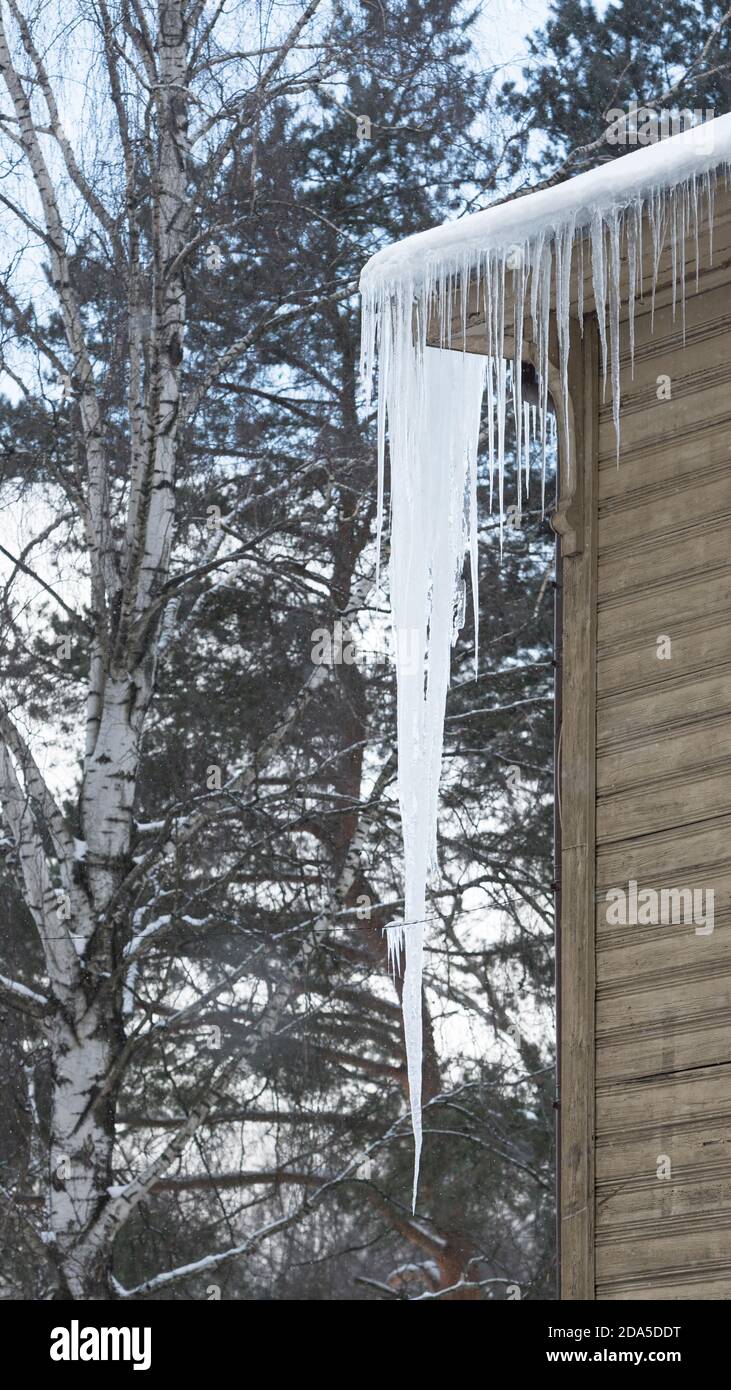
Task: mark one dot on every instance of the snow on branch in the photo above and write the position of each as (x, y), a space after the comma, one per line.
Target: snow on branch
(21, 997)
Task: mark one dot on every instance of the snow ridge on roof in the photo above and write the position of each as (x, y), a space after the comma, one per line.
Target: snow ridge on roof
(616, 184)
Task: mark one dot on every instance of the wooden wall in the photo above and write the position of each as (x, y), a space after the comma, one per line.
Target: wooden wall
(663, 804)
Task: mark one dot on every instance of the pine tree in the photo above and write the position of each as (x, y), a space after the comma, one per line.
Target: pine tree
(586, 61)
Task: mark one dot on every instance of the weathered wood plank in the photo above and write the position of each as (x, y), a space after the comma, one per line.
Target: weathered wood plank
(667, 857)
(628, 1108)
(673, 1045)
(655, 1249)
(628, 664)
(668, 703)
(711, 1285)
(635, 519)
(659, 806)
(661, 606)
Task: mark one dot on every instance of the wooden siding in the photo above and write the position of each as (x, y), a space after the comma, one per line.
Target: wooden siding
(663, 809)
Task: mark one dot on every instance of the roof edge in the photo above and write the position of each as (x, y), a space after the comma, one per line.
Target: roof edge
(683, 158)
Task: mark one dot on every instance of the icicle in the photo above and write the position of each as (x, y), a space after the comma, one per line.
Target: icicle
(683, 234)
(517, 373)
(632, 237)
(491, 425)
(580, 285)
(696, 235)
(614, 312)
(394, 946)
(657, 218)
(599, 277)
(385, 364)
(473, 538)
(640, 260)
(564, 248)
(434, 412)
(710, 186)
(527, 438)
(674, 251)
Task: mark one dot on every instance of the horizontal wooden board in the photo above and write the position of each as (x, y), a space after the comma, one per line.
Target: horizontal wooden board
(662, 805)
(709, 1283)
(675, 960)
(666, 753)
(678, 999)
(667, 703)
(673, 1044)
(686, 1248)
(636, 955)
(663, 605)
(631, 1174)
(628, 1203)
(628, 666)
(664, 457)
(666, 857)
(640, 518)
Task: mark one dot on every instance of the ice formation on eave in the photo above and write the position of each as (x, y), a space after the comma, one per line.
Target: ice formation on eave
(519, 257)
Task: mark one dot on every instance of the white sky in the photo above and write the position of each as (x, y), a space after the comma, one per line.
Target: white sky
(503, 29)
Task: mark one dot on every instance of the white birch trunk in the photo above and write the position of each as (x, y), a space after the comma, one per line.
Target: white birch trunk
(86, 1039)
(82, 1141)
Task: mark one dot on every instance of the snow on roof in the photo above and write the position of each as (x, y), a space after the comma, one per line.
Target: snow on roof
(615, 184)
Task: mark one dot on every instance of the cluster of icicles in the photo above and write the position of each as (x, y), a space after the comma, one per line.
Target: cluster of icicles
(430, 402)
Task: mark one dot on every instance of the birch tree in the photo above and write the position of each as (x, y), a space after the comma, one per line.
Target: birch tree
(166, 108)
